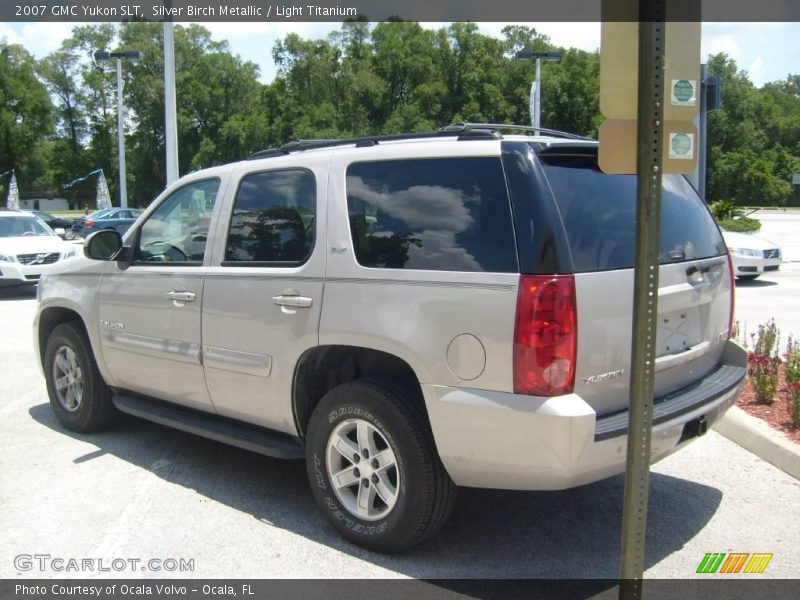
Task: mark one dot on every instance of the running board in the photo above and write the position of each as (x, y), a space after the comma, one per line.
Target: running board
(222, 429)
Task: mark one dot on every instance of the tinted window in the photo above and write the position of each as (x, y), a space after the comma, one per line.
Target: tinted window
(178, 229)
(443, 214)
(599, 214)
(273, 218)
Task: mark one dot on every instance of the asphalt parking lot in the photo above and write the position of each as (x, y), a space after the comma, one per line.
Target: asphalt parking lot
(143, 491)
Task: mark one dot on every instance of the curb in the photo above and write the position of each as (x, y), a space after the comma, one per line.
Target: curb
(755, 435)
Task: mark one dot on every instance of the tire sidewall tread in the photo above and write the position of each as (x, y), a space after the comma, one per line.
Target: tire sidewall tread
(96, 409)
(426, 491)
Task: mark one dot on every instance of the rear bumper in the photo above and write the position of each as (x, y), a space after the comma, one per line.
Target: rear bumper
(509, 441)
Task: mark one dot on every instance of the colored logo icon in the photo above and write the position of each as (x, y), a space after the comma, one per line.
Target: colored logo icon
(734, 562)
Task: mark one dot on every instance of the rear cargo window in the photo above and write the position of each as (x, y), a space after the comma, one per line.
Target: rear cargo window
(442, 214)
(599, 214)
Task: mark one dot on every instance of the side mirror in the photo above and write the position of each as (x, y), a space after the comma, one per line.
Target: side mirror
(60, 232)
(102, 245)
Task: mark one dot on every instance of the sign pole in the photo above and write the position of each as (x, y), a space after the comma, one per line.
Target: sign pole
(650, 133)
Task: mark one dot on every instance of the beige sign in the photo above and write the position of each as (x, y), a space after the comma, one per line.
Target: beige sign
(619, 75)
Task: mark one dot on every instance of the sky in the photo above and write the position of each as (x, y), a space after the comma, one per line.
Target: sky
(767, 51)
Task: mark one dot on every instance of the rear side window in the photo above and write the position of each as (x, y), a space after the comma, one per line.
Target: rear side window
(599, 214)
(440, 214)
(273, 219)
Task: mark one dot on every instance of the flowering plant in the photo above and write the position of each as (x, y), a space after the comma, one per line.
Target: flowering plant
(763, 362)
(793, 378)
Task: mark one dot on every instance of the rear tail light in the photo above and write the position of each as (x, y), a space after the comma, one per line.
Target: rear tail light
(731, 275)
(89, 223)
(545, 335)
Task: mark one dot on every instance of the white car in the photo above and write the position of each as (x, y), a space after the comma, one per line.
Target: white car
(28, 248)
(752, 255)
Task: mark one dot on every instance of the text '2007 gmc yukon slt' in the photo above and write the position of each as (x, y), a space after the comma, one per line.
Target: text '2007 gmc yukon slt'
(408, 313)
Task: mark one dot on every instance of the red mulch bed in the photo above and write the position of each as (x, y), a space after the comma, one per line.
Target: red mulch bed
(778, 414)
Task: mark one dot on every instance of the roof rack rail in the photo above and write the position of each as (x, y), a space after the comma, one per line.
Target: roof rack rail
(463, 127)
(371, 140)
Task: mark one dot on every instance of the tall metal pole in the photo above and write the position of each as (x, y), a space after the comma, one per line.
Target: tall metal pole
(123, 185)
(170, 110)
(702, 148)
(698, 175)
(645, 299)
(537, 106)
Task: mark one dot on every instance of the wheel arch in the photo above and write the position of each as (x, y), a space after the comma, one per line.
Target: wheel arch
(322, 368)
(50, 318)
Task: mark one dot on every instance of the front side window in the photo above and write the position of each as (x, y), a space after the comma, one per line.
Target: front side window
(441, 214)
(177, 231)
(273, 219)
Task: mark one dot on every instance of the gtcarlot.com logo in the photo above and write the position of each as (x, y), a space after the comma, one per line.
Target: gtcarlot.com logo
(58, 564)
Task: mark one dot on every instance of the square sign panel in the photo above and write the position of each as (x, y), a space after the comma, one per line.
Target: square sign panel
(619, 77)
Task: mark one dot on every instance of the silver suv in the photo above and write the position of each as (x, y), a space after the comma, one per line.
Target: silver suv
(408, 313)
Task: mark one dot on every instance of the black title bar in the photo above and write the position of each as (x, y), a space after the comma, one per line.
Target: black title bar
(380, 10)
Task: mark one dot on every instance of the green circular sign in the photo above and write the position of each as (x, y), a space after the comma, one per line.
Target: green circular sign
(681, 144)
(683, 90)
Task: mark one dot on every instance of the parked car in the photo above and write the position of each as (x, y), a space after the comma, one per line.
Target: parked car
(752, 255)
(475, 326)
(28, 248)
(118, 219)
(52, 221)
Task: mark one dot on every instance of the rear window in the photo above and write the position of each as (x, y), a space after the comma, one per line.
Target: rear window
(440, 214)
(599, 214)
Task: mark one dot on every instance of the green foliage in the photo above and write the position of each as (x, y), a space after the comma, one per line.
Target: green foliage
(361, 79)
(741, 225)
(754, 139)
(724, 209)
(763, 361)
(25, 115)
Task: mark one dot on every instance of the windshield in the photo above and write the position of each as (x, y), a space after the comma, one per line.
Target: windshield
(599, 213)
(23, 227)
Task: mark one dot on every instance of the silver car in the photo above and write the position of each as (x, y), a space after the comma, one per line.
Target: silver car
(409, 314)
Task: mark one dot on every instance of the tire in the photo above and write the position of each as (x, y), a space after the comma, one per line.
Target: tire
(748, 277)
(408, 497)
(78, 395)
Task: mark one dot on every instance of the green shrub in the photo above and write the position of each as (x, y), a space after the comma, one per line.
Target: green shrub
(724, 209)
(742, 225)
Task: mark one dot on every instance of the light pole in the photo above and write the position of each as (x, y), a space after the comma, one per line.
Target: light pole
(102, 55)
(170, 111)
(536, 88)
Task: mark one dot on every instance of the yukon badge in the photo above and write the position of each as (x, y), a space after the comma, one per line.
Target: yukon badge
(111, 325)
(604, 376)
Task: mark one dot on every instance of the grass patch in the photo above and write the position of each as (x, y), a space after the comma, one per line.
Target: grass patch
(741, 225)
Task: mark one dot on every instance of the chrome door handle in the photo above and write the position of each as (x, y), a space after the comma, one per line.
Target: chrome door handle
(181, 296)
(293, 301)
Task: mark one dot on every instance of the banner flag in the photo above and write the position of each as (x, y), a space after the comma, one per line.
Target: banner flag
(103, 196)
(13, 193)
(84, 178)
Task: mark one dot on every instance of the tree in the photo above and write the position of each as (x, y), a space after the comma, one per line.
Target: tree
(25, 115)
(754, 139)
